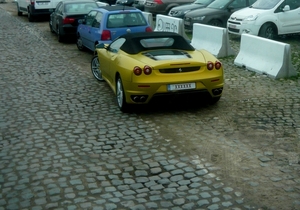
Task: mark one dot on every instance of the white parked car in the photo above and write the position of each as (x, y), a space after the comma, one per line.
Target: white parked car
(267, 18)
(35, 8)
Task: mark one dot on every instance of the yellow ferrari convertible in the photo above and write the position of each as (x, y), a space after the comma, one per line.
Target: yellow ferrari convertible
(141, 67)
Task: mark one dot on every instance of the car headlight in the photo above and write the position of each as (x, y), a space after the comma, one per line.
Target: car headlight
(251, 18)
(199, 18)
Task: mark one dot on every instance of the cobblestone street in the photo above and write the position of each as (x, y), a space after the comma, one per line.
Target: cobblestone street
(64, 144)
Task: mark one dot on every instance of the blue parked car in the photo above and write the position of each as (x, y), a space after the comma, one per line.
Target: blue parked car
(103, 25)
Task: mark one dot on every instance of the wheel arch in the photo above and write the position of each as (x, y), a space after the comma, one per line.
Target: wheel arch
(271, 23)
(216, 19)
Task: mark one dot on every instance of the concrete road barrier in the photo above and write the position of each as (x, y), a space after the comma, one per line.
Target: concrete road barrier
(170, 24)
(265, 56)
(213, 39)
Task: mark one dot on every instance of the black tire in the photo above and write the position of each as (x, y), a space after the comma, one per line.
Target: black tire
(30, 17)
(95, 67)
(268, 31)
(19, 12)
(120, 96)
(216, 23)
(51, 29)
(79, 43)
(59, 35)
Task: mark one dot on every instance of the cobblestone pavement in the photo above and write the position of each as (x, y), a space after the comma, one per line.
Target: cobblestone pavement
(65, 145)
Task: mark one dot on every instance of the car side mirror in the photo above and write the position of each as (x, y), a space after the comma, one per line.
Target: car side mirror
(286, 8)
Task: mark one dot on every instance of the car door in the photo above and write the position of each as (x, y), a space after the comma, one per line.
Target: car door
(109, 63)
(289, 20)
(95, 30)
(85, 29)
(54, 16)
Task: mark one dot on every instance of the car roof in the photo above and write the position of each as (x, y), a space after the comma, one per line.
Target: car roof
(116, 8)
(132, 45)
(77, 1)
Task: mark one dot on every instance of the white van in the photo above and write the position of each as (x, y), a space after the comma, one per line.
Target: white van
(266, 18)
(34, 8)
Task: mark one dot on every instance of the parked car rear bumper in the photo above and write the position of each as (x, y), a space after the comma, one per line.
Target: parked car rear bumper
(34, 11)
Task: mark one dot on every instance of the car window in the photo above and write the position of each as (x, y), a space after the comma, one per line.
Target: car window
(59, 8)
(90, 18)
(59, 5)
(251, 2)
(219, 4)
(97, 20)
(157, 42)
(265, 4)
(115, 46)
(238, 4)
(294, 4)
(204, 2)
(119, 20)
(80, 7)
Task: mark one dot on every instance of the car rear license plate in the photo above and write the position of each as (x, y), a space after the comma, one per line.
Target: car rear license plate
(148, 3)
(183, 86)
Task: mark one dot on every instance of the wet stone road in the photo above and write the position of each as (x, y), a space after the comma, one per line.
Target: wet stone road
(65, 145)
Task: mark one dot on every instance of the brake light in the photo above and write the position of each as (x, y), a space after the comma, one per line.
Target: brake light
(158, 1)
(149, 29)
(137, 71)
(218, 65)
(68, 20)
(147, 70)
(105, 35)
(210, 65)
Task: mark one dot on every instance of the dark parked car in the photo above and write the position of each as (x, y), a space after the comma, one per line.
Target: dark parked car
(125, 2)
(64, 20)
(180, 11)
(163, 6)
(216, 13)
(139, 4)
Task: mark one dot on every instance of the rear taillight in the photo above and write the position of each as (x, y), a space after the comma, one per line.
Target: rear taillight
(158, 1)
(218, 65)
(137, 71)
(147, 70)
(210, 65)
(68, 20)
(105, 35)
(148, 29)
(32, 2)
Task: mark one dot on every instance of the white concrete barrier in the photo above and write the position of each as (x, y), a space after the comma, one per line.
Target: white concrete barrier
(149, 18)
(213, 39)
(170, 24)
(265, 56)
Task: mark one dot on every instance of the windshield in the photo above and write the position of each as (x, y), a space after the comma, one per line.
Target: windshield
(204, 2)
(219, 4)
(265, 4)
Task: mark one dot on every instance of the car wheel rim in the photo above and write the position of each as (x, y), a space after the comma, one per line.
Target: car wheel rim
(96, 69)
(119, 93)
(270, 33)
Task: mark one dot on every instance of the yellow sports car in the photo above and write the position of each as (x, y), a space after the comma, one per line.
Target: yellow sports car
(141, 67)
